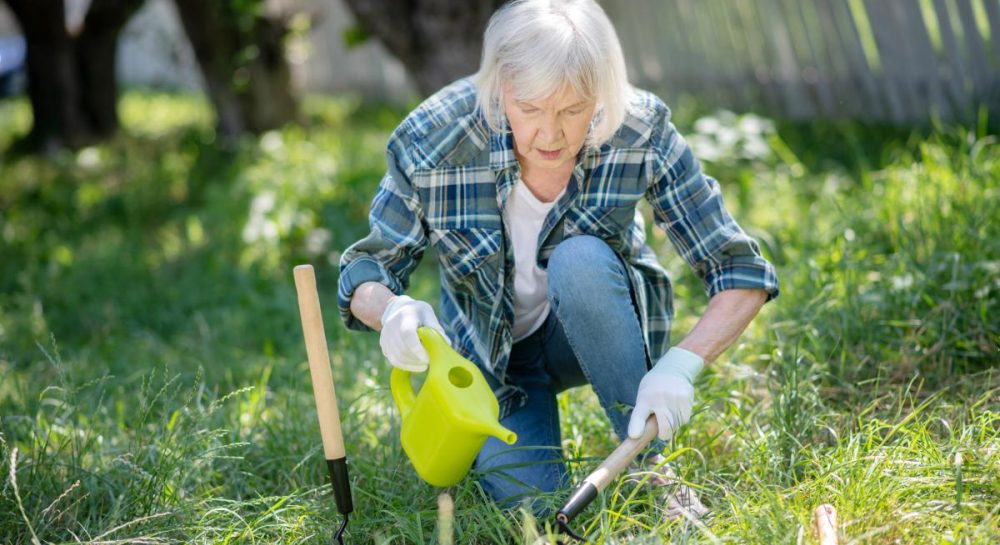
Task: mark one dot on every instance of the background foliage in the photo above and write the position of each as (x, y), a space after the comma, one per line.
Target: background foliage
(154, 386)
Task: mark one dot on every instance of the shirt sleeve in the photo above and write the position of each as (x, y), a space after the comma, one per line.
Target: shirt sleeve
(688, 205)
(396, 240)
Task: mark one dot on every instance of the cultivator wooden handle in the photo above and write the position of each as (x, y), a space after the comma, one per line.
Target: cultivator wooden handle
(323, 391)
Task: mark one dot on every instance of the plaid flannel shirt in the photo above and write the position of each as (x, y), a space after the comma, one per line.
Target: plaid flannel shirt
(448, 180)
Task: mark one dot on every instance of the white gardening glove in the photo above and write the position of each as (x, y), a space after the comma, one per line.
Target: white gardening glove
(667, 391)
(399, 341)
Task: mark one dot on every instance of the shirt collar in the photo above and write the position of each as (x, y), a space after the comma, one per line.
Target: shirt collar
(502, 154)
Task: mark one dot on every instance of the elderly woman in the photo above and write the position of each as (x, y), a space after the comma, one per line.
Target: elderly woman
(525, 179)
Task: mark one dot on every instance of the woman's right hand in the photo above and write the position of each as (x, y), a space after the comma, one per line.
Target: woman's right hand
(399, 341)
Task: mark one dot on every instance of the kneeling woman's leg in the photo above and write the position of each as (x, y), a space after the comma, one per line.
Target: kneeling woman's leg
(592, 335)
(534, 464)
(590, 294)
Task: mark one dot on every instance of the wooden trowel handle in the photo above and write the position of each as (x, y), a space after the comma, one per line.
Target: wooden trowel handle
(614, 464)
(622, 456)
(319, 363)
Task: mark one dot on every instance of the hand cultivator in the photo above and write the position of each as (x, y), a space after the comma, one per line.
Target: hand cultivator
(323, 391)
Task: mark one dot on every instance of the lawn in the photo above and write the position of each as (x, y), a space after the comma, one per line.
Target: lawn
(154, 388)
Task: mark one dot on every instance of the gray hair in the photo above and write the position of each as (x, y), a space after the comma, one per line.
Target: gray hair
(538, 46)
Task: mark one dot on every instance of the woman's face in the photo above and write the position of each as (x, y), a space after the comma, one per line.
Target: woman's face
(549, 133)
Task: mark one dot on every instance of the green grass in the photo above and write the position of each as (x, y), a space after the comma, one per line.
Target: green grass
(154, 389)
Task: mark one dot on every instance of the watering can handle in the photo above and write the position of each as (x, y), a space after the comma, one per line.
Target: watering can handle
(399, 381)
(402, 390)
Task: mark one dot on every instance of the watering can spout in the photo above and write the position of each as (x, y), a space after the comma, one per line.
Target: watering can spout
(495, 429)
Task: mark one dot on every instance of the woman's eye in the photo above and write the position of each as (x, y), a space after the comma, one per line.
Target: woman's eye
(528, 110)
(574, 112)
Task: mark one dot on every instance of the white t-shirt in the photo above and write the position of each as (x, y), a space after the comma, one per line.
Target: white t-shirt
(525, 215)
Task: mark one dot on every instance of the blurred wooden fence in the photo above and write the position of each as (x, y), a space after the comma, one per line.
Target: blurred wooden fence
(900, 61)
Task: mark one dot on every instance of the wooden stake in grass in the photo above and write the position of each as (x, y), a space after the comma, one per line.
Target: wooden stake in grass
(958, 481)
(446, 516)
(825, 524)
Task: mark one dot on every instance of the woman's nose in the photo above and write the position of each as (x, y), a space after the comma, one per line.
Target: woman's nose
(549, 131)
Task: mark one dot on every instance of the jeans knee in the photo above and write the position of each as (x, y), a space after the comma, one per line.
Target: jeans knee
(581, 265)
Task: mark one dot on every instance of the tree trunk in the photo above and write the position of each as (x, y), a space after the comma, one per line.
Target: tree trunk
(241, 56)
(438, 41)
(213, 49)
(267, 101)
(96, 54)
(52, 82)
(71, 81)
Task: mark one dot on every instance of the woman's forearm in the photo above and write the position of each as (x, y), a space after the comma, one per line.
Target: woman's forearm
(728, 314)
(369, 302)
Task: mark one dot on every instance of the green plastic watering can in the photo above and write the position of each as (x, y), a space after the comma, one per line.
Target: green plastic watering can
(446, 423)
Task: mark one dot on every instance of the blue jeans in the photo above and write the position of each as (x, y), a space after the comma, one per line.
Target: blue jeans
(591, 336)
